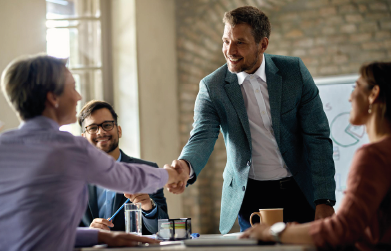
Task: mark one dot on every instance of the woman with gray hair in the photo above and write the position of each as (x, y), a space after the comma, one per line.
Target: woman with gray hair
(44, 172)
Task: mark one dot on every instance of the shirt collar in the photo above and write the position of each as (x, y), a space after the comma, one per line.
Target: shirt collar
(39, 122)
(260, 72)
(119, 158)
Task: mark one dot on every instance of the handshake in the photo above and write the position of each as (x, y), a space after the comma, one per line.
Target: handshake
(178, 175)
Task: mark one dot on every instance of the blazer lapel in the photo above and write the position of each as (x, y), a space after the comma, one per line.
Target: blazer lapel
(124, 157)
(93, 201)
(235, 96)
(274, 86)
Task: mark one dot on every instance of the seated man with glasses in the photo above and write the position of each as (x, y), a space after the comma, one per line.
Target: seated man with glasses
(99, 125)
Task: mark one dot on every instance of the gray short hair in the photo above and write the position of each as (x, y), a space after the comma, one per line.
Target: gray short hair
(27, 80)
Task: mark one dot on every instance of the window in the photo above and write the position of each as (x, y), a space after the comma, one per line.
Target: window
(74, 32)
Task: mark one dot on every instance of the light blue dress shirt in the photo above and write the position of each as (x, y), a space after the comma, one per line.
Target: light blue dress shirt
(105, 199)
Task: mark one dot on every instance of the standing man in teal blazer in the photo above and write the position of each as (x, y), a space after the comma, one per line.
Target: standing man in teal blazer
(279, 154)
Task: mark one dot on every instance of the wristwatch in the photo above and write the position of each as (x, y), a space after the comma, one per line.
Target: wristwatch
(276, 229)
(153, 206)
(330, 203)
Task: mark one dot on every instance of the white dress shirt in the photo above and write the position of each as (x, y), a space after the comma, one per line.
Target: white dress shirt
(267, 162)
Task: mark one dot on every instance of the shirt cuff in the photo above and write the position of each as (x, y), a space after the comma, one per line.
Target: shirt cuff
(150, 215)
(86, 237)
(163, 177)
(191, 169)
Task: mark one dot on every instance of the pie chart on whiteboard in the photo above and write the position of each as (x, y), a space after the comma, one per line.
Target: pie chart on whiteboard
(343, 133)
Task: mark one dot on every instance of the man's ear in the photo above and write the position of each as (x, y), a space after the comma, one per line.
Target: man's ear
(83, 134)
(119, 132)
(374, 94)
(263, 44)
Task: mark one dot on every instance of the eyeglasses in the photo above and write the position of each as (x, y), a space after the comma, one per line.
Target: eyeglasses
(106, 126)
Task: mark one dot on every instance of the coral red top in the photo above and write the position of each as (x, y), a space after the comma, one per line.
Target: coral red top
(364, 216)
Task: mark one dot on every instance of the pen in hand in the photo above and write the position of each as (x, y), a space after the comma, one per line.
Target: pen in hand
(119, 209)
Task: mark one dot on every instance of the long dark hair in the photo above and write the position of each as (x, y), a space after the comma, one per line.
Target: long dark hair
(379, 73)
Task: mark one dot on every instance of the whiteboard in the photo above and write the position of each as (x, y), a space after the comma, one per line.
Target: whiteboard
(334, 93)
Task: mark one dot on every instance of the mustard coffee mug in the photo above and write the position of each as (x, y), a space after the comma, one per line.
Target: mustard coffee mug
(269, 216)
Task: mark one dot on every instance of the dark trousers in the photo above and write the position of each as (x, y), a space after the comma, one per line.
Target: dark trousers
(283, 193)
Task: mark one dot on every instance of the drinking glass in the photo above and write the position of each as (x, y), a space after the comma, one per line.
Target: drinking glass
(133, 223)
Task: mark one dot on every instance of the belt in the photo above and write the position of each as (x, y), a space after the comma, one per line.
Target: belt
(282, 184)
(285, 182)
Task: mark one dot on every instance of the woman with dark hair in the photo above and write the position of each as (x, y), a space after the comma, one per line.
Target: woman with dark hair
(364, 216)
(44, 172)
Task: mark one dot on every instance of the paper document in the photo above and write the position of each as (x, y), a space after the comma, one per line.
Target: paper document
(220, 242)
(237, 234)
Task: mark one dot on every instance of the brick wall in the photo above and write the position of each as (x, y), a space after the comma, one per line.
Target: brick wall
(333, 37)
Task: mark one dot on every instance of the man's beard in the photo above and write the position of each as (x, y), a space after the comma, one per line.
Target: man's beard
(246, 67)
(112, 146)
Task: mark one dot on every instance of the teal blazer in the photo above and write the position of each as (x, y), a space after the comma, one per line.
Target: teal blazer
(299, 123)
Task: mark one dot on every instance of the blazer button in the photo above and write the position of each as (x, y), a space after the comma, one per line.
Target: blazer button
(244, 188)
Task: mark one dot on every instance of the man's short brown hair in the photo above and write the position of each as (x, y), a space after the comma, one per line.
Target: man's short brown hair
(93, 106)
(252, 16)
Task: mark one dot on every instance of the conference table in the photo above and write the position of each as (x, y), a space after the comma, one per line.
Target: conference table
(212, 247)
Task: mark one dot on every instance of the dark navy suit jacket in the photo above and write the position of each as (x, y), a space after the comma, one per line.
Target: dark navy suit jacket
(149, 225)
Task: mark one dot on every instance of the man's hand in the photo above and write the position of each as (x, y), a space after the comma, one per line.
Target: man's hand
(183, 170)
(323, 211)
(122, 239)
(100, 223)
(142, 198)
(259, 232)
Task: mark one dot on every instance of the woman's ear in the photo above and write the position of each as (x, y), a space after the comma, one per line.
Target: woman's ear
(52, 99)
(374, 94)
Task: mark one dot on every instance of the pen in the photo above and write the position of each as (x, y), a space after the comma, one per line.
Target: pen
(119, 209)
(195, 235)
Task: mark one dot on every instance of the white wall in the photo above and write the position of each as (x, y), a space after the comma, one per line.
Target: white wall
(23, 31)
(124, 68)
(147, 66)
(144, 72)
(158, 92)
